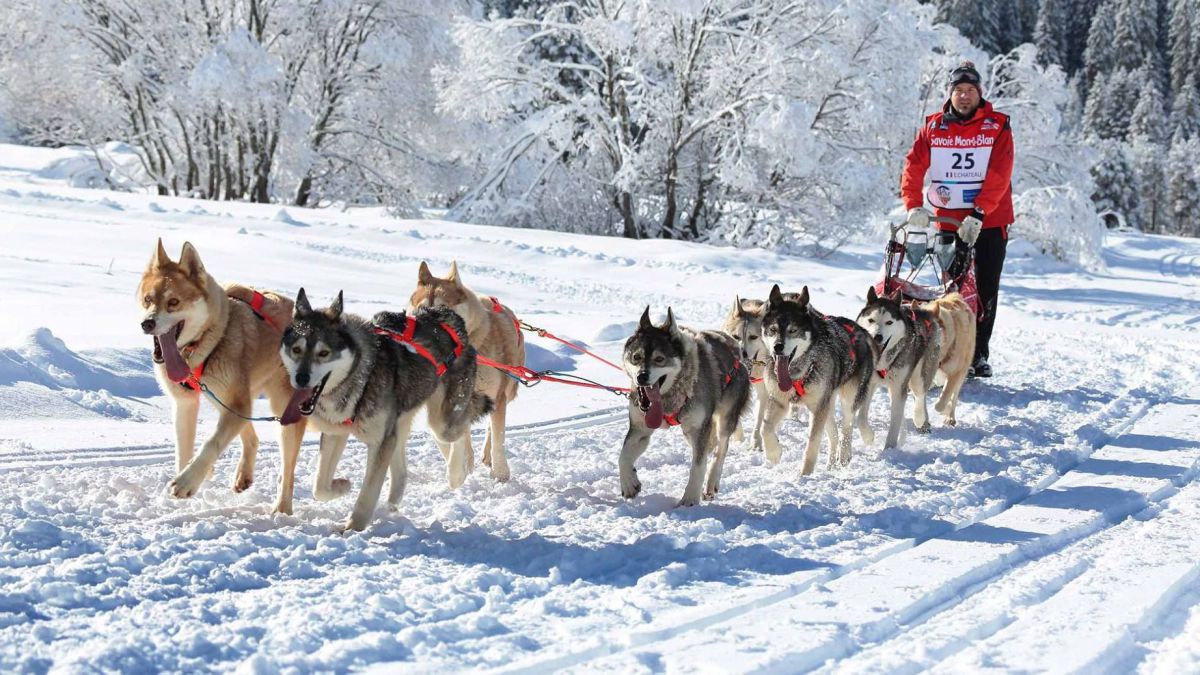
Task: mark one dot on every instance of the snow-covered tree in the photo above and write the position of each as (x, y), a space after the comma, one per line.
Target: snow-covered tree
(1147, 133)
(1185, 111)
(1183, 186)
(1099, 55)
(747, 121)
(1051, 33)
(1051, 176)
(979, 22)
(233, 99)
(1117, 186)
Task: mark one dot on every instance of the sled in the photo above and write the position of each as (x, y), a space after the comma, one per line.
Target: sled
(941, 255)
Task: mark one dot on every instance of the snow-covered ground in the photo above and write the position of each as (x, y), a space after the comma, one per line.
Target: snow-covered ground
(1056, 528)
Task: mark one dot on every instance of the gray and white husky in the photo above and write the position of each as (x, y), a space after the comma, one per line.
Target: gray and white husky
(910, 344)
(687, 378)
(744, 323)
(814, 358)
(369, 379)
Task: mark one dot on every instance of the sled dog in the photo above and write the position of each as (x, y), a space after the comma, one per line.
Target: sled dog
(814, 358)
(225, 340)
(909, 340)
(687, 378)
(369, 379)
(493, 330)
(957, 322)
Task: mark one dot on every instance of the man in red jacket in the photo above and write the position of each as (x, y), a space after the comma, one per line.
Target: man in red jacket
(967, 149)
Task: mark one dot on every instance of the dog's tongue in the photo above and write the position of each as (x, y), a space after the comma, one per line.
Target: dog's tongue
(292, 414)
(177, 368)
(654, 414)
(782, 365)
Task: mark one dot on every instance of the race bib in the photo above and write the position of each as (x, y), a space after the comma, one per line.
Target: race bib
(956, 175)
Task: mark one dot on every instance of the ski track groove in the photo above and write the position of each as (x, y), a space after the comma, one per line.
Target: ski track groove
(640, 640)
(1055, 555)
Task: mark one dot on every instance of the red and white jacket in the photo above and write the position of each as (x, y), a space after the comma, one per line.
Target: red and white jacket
(970, 166)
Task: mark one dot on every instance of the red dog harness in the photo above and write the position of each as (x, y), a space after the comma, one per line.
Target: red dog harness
(406, 339)
(257, 301)
(499, 309)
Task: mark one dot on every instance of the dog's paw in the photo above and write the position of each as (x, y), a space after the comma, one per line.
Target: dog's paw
(187, 483)
(242, 483)
(283, 507)
(924, 428)
(951, 422)
(710, 493)
(630, 485)
(501, 472)
(689, 500)
(337, 488)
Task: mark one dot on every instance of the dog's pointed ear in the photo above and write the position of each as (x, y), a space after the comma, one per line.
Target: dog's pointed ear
(160, 257)
(645, 322)
(453, 276)
(424, 276)
(803, 300)
(335, 310)
(671, 326)
(871, 295)
(737, 306)
(775, 296)
(301, 306)
(189, 260)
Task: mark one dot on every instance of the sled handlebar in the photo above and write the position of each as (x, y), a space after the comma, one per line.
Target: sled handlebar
(933, 219)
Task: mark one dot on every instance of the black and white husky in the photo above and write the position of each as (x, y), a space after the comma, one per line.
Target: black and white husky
(687, 378)
(814, 358)
(369, 379)
(910, 344)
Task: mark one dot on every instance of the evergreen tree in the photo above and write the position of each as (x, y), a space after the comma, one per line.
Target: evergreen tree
(1050, 33)
(1185, 112)
(1147, 128)
(1148, 122)
(1116, 183)
(1183, 186)
(1081, 14)
(1135, 33)
(1180, 38)
(1098, 55)
(1107, 114)
(978, 21)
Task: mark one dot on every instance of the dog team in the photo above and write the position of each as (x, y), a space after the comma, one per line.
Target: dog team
(350, 376)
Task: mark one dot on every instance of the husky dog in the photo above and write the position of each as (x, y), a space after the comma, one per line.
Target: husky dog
(493, 330)
(369, 379)
(957, 322)
(744, 323)
(227, 341)
(815, 357)
(910, 342)
(684, 377)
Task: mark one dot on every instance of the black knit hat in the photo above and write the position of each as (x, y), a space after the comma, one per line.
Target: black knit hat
(965, 73)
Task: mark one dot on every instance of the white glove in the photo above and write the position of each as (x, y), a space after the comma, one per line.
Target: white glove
(918, 218)
(969, 230)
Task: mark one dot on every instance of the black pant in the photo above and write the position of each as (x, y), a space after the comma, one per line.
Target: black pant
(989, 261)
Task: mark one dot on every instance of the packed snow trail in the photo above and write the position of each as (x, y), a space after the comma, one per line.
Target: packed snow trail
(970, 534)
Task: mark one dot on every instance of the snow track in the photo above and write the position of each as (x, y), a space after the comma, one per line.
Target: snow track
(1061, 511)
(827, 614)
